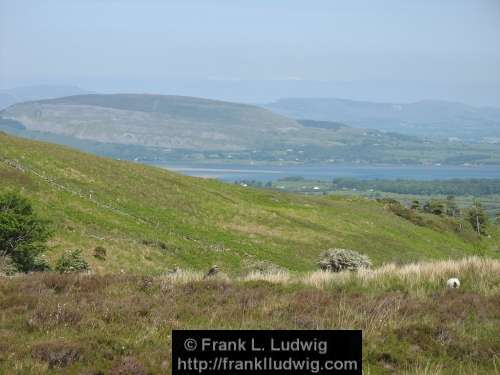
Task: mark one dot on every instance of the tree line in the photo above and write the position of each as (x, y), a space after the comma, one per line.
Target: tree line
(475, 187)
(475, 215)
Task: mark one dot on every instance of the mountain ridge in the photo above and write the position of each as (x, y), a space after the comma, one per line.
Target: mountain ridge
(159, 128)
(430, 118)
(151, 120)
(20, 94)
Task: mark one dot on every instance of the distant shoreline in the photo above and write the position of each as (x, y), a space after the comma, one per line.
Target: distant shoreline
(233, 172)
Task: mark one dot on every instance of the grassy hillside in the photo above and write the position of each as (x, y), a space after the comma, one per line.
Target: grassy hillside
(151, 220)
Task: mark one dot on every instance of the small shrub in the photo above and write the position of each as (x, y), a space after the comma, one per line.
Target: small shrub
(435, 207)
(7, 266)
(100, 253)
(162, 245)
(145, 284)
(40, 264)
(57, 354)
(398, 209)
(213, 271)
(72, 261)
(336, 260)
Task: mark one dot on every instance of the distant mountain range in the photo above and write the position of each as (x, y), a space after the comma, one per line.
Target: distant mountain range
(12, 96)
(429, 118)
(156, 128)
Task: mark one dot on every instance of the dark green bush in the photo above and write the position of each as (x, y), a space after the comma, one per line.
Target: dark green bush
(23, 234)
(72, 261)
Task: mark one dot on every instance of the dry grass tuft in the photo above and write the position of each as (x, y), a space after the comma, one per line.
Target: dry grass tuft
(415, 275)
(277, 277)
(424, 369)
(182, 277)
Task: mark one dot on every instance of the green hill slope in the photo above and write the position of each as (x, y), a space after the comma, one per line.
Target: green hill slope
(151, 220)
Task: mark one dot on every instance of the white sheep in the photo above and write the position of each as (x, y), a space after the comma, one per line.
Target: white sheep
(453, 283)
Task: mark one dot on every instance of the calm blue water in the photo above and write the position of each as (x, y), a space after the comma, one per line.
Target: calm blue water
(232, 172)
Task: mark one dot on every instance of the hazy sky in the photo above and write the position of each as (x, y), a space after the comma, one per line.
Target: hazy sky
(130, 44)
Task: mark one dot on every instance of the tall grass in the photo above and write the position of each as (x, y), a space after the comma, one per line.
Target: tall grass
(483, 272)
(417, 275)
(276, 277)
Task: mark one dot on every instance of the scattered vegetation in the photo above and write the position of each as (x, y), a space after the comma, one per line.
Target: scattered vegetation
(72, 261)
(449, 197)
(475, 216)
(336, 260)
(411, 321)
(475, 187)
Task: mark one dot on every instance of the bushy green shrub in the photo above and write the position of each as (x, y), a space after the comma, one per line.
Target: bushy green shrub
(72, 261)
(23, 234)
(100, 253)
(40, 264)
(336, 260)
(9, 267)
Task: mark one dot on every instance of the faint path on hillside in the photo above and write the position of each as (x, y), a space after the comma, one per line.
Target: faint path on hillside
(154, 226)
(51, 181)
